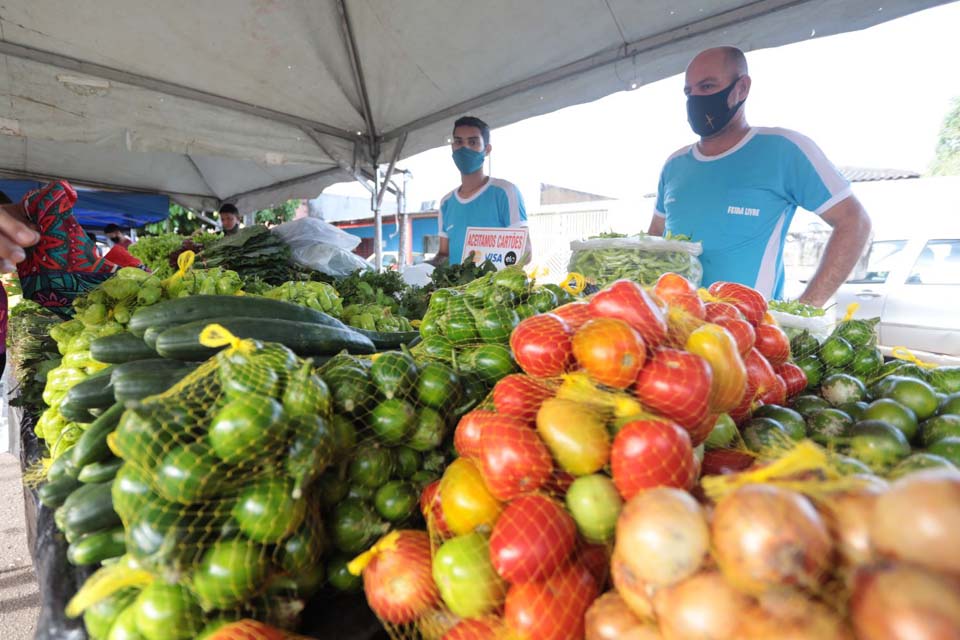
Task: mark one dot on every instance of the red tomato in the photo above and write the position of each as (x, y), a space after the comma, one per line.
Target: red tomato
(676, 384)
(542, 345)
(533, 537)
(702, 429)
(742, 412)
(651, 453)
(741, 330)
(398, 582)
(777, 394)
(466, 437)
(760, 375)
(793, 376)
(475, 629)
(773, 343)
(596, 558)
(520, 396)
(610, 350)
(629, 302)
(722, 310)
(430, 507)
(749, 301)
(723, 461)
(575, 314)
(247, 629)
(677, 292)
(513, 459)
(553, 609)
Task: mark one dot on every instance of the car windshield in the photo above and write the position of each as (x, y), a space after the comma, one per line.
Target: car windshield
(881, 258)
(938, 263)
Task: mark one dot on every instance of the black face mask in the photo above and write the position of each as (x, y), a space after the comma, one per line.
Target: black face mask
(709, 114)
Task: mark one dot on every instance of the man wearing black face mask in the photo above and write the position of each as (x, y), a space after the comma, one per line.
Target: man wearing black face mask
(736, 190)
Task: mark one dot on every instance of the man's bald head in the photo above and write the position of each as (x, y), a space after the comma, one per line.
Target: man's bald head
(712, 69)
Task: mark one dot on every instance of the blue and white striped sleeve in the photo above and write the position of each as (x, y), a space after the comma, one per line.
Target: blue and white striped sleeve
(811, 180)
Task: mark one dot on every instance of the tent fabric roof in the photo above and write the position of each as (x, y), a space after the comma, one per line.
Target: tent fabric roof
(256, 101)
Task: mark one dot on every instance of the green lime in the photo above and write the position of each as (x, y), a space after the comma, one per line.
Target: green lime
(893, 413)
(125, 626)
(392, 420)
(406, 462)
(939, 427)
(302, 550)
(808, 404)
(266, 510)
(951, 404)
(836, 352)
(344, 434)
(804, 345)
(355, 526)
(460, 327)
(231, 572)
(854, 409)
(840, 388)
(859, 333)
(351, 387)
(439, 386)
(495, 324)
(916, 395)
(306, 394)
(431, 325)
(490, 362)
(247, 426)
(918, 461)
(428, 432)
(543, 300)
(435, 346)
(250, 376)
(866, 362)
(513, 278)
(813, 369)
(499, 297)
(331, 487)
(130, 491)
(789, 419)
(189, 473)
(948, 447)
(826, 426)
(851, 466)
(525, 311)
(396, 500)
(723, 432)
(394, 373)
(360, 492)
(877, 444)
(339, 577)
(167, 612)
(763, 433)
(99, 617)
(371, 466)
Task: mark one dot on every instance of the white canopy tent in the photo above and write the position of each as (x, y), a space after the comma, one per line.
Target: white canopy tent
(257, 101)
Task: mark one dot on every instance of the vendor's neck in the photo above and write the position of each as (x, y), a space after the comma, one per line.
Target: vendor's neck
(728, 138)
(470, 183)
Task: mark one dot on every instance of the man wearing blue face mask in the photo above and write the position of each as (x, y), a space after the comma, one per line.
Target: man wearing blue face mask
(479, 201)
(736, 190)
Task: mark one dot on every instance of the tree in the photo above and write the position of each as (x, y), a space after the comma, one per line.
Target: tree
(947, 160)
(278, 214)
(184, 221)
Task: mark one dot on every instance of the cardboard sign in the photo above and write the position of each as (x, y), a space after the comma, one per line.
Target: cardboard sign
(502, 247)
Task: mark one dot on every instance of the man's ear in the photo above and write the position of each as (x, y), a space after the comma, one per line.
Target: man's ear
(744, 88)
(487, 149)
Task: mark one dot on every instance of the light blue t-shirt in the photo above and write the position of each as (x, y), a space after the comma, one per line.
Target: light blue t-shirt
(739, 204)
(497, 204)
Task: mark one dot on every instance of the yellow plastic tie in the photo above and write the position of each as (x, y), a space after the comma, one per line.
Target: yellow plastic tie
(184, 263)
(902, 353)
(851, 309)
(574, 284)
(386, 543)
(215, 335)
(104, 583)
(706, 296)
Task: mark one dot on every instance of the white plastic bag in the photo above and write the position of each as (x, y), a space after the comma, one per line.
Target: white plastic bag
(417, 275)
(641, 258)
(304, 232)
(818, 326)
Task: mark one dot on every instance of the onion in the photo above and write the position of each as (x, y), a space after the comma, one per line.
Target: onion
(847, 515)
(633, 590)
(902, 602)
(791, 615)
(609, 618)
(765, 536)
(662, 536)
(702, 607)
(917, 520)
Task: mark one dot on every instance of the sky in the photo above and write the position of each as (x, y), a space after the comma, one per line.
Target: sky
(873, 98)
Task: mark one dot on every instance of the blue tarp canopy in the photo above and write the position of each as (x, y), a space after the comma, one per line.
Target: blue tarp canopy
(96, 209)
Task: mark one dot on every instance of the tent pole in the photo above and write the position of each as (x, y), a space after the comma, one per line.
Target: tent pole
(353, 53)
(377, 222)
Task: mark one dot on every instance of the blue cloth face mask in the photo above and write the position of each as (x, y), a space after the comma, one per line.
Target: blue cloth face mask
(468, 160)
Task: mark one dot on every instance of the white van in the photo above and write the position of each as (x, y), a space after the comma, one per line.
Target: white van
(910, 275)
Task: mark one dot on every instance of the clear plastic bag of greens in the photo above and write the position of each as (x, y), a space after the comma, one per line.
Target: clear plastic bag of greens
(641, 258)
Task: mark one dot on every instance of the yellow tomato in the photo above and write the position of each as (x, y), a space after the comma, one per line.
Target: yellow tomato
(465, 500)
(715, 344)
(576, 435)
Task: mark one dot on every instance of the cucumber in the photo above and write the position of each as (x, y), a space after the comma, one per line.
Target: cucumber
(94, 548)
(143, 378)
(93, 393)
(150, 335)
(52, 494)
(100, 471)
(62, 467)
(383, 340)
(86, 510)
(73, 413)
(304, 338)
(119, 348)
(194, 308)
(92, 445)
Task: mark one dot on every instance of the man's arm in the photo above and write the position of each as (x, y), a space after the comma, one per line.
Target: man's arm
(657, 225)
(851, 230)
(443, 253)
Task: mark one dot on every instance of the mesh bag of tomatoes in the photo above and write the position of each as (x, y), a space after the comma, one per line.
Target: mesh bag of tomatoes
(470, 326)
(217, 494)
(615, 397)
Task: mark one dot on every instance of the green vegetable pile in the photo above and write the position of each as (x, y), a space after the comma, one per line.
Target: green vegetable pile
(796, 308)
(456, 275)
(374, 317)
(641, 258)
(253, 252)
(31, 350)
(154, 252)
(316, 295)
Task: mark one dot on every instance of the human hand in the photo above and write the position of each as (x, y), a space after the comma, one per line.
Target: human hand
(15, 235)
